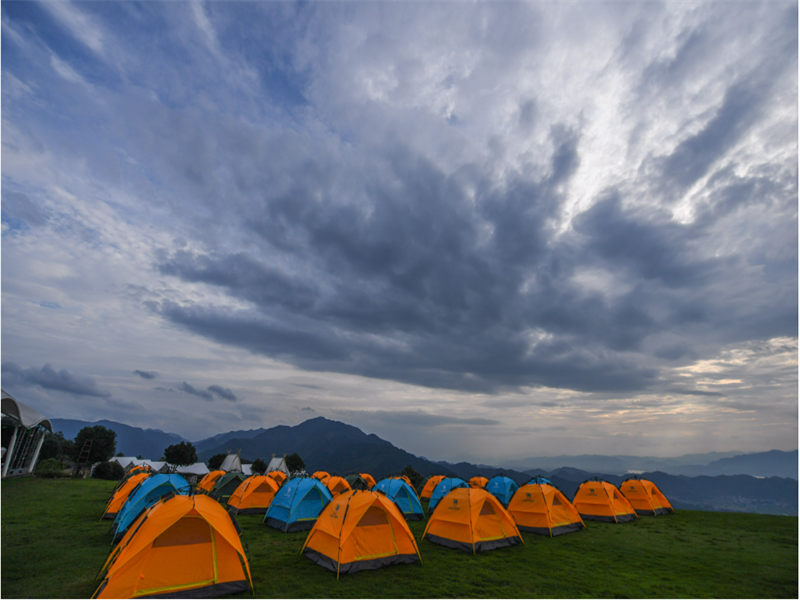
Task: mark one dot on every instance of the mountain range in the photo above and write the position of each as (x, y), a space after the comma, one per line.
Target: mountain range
(757, 482)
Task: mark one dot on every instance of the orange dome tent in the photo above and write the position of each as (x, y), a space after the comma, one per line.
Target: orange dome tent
(321, 475)
(645, 497)
(478, 482)
(132, 473)
(369, 479)
(336, 485)
(471, 520)
(598, 500)
(120, 495)
(181, 547)
(209, 480)
(253, 496)
(358, 531)
(540, 507)
(429, 486)
(279, 477)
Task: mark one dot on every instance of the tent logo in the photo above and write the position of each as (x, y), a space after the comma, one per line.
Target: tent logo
(632, 489)
(335, 513)
(528, 497)
(592, 492)
(455, 504)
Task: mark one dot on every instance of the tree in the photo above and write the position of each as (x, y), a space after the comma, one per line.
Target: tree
(258, 466)
(109, 470)
(215, 462)
(294, 463)
(183, 454)
(104, 443)
(413, 475)
(55, 446)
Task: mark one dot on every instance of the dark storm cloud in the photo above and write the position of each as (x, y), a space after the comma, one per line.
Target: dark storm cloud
(146, 374)
(209, 392)
(421, 287)
(205, 395)
(47, 377)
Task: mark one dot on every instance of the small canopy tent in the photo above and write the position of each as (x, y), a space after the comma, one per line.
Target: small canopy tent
(503, 488)
(279, 476)
(23, 431)
(443, 488)
(253, 496)
(321, 475)
(357, 482)
(181, 547)
(208, 481)
(360, 530)
(478, 482)
(540, 507)
(599, 500)
(297, 504)
(471, 520)
(430, 485)
(336, 485)
(225, 486)
(645, 497)
(404, 496)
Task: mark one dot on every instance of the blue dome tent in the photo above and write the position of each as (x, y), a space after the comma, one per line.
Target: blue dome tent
(403, 495)
(443, 488)
(144, 496)
(297, 504)
(502, 488)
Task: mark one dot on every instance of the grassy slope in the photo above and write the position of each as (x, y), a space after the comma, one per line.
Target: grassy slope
(53, 545)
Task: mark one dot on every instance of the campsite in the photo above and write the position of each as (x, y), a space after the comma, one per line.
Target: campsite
(54, 544)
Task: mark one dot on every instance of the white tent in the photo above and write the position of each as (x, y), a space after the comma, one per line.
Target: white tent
(278, 464)
(25, 429)
(231, 463)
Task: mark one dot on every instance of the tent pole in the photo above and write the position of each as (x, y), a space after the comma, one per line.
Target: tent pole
(36, 454)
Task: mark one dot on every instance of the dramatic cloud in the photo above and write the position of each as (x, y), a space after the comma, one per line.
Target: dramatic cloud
(48, 377)
(460, 219)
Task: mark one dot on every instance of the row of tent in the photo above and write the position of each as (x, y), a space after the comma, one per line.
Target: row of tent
(159, 515)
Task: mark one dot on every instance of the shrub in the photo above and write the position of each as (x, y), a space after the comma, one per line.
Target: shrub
(109, 470)
(50, 468)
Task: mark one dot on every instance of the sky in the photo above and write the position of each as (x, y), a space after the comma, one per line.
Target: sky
(480, 230)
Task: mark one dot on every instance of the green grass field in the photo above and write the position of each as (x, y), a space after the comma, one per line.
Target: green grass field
(53, 545)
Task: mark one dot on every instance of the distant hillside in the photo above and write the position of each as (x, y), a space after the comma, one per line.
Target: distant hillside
(131, 441)
(761, 464)
(618, 464)
(774, 463)
(326, 445)
(221, 438)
